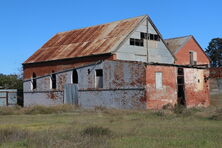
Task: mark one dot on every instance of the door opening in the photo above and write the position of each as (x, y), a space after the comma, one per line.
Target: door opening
(180, 87)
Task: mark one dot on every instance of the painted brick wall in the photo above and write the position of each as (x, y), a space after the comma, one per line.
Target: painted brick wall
(183, 57)
(157, 98)
(196, 88)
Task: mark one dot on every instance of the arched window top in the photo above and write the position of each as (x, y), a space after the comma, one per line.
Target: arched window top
(33, 75)
(53, 80)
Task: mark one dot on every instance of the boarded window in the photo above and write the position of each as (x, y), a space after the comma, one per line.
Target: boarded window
(53, 80)
(34, 83)
(193, 58)
(159, 80)
(74, 76)
(99, 78)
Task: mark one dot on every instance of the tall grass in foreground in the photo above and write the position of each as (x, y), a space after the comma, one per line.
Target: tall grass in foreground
(33, 110)
(66, 138)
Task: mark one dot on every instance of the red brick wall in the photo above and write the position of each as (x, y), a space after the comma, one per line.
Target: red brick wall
(156, 99)
(183, 57)
(196, 88)
(42, 69)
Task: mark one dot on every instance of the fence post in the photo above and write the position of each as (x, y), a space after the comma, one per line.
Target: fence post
(6, 98)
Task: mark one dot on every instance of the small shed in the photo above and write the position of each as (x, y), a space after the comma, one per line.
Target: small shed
(8, 97)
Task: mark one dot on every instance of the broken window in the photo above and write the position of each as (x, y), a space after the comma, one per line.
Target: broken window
(34, 83)
(193, 58)
(159, 80)
(99, 78)
(53, 80)
(136, 42)
(143, 35)
(150, 36)
(74, 76)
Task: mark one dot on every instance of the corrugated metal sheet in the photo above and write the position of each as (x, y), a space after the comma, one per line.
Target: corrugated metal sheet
(87, 41)
(175, 44)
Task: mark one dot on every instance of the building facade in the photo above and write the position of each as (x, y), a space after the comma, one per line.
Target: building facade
(124, 64)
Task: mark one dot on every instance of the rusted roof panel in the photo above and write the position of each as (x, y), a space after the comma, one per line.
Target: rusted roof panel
(86, 41)
(175, 44)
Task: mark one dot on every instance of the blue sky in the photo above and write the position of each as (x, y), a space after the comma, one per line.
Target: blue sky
(25, 25)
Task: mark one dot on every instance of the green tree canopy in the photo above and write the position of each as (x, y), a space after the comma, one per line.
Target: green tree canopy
(11, 82)
(214, 51)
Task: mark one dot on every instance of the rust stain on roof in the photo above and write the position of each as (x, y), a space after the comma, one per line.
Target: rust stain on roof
(175, 44)
(86, 41)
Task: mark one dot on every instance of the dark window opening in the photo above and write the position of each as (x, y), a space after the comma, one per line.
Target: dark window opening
(53, 77)
(99, 72)
(88, 71)
(143, 35)
(180, 71)
(150, 36)
(99, 78)
(34, 83)
(180, 87)
(75, 77)
(136, 42)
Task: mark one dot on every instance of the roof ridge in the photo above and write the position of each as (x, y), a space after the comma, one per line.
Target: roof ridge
(142, 16)
(179, 37)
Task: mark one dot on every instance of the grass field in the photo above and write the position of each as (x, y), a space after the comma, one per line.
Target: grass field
(68, 126)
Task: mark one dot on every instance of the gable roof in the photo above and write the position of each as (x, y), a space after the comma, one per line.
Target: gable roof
(175, 44)
(94, 40)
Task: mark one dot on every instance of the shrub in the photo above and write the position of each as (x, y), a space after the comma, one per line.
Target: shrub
(96, 131)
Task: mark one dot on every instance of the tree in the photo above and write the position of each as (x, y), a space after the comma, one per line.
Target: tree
(214, 52)
(11, 82)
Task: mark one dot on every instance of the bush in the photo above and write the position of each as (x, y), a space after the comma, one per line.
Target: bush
(96, 131)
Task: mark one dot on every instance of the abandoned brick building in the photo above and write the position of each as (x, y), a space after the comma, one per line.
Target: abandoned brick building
(124, 64)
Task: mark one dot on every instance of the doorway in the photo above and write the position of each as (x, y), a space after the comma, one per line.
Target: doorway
(180, 87)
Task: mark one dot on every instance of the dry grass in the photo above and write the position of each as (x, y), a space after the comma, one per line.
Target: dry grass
(67, 126)
(33, 110)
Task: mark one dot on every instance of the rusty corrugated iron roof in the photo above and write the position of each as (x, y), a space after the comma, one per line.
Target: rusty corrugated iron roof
(87, 41)
(175, 44)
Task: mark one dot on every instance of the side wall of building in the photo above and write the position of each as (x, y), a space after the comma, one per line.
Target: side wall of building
(196, 87)
(41, 69)
(123, 86)
(183, 55)
(167, 94)
(44, 94)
